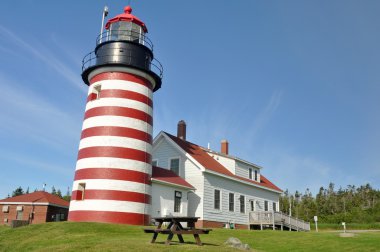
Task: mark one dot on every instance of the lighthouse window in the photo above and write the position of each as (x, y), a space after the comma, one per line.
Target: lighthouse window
(80, 191)
(97, 90)
(126, 31)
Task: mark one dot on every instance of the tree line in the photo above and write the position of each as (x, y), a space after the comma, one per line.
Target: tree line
(352, 204)
(20, 191)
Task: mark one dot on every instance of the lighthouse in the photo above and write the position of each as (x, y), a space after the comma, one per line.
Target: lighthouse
(112, 180)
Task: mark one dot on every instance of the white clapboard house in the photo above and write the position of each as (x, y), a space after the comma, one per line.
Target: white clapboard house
(189, 180)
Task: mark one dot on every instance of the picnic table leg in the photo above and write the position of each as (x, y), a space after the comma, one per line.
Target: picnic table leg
(179, 227)
(154, 238)
(156, 234)
(198, 239)
(170, 236)
(180, 238)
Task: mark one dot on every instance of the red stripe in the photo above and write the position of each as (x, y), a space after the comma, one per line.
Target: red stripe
(116, 195)
(112, 173)
(116, 152)
(109, 217)
(117, 131)
(119, 111)
(117, 93)
(121, 76)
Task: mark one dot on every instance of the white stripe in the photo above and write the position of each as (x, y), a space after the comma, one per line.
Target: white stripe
(119, 102)
(111, 184)
(109, 205)
(123, 85)
(110, 162)
(118, 121)
(115, 141)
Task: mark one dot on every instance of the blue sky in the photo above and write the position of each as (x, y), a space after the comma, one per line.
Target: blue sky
(293, 85)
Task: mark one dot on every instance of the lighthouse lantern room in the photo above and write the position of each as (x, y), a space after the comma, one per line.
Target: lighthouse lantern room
(112, 180)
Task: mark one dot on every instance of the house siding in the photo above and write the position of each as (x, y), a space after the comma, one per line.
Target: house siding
(229, 186)
(228, 163)
(163, 152)
(163, 201)
(194, 176)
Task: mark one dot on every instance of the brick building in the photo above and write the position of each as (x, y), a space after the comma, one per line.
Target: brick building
(36, 207)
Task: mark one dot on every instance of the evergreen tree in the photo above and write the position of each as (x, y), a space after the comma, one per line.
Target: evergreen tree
(18, 191)
(53, 191)
(59, 194)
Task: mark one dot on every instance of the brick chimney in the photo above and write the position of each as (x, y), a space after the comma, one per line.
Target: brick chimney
(181, 130)
(224, 147)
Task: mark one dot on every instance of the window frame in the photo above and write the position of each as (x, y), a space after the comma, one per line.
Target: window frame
(177, 204)
(252, 205)
(250, 171)
(82, 189)
(219, 200)
(274, 206)
(266, 206)
(179, 164)
(256, 175)
(231, 203)
(242, 203)
(155, 160)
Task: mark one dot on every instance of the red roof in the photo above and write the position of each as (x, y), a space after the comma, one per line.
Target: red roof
(37, 197)
(209, 163)
(128, 17)
(168, 176)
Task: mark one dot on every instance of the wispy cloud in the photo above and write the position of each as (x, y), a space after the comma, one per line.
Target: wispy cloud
(32, 117)
(263, 118)
(43, 55)
(33, 163)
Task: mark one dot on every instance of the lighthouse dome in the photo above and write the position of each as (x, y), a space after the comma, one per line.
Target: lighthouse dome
(126, 17)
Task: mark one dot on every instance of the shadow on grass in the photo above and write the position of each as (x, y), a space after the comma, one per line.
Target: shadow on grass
(185, 243)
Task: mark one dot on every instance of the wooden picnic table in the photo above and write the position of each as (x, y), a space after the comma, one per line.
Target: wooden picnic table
(175, 228)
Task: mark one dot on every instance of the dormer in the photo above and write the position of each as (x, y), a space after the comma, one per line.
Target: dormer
(237, 166)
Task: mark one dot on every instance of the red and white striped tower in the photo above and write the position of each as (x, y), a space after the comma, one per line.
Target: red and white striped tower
(112, 178)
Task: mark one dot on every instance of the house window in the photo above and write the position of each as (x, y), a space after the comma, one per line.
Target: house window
(274, 206)
(217, 199)
(255, 175)
(154, 162)
(5, 209)
(252, 205)
(19, 213)
(81, 191)
(174, 165)
(177, 201)
(250, 173)
(231, 202)
(266, 205)
(242, 204)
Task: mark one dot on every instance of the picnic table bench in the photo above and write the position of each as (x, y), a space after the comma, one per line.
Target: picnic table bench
(175, 228)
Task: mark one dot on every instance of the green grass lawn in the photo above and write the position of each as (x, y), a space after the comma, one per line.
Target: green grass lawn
(349, 226)
(67, 236)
